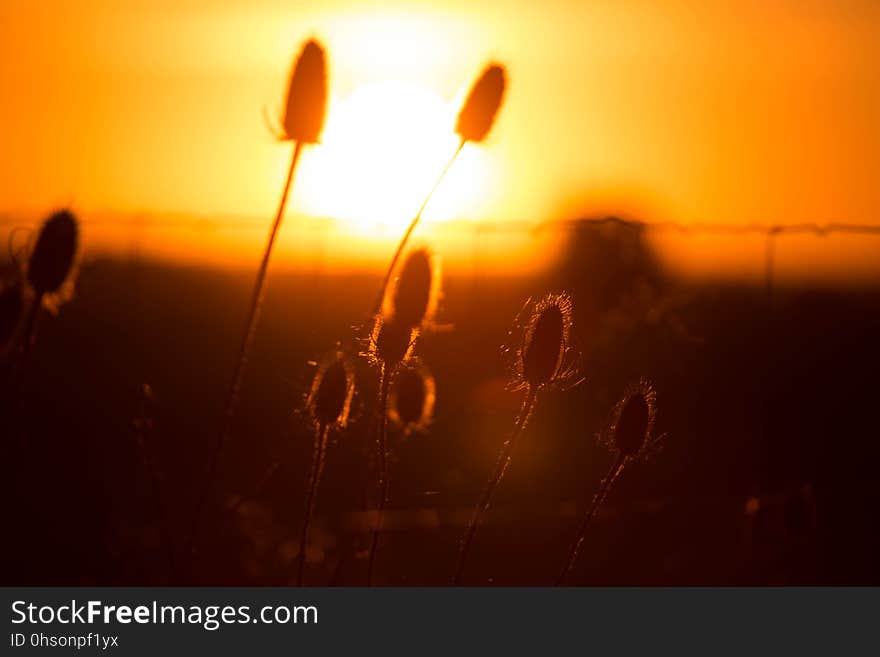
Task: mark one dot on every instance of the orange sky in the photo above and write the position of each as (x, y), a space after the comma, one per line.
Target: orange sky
(748, 111)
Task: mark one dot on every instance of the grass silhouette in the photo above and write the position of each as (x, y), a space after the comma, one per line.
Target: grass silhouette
(540, 363)
(391, 344)
(329, 403)
(302, 124)
(474, 121)
(406, 307)
(630, 437)
(50, 269)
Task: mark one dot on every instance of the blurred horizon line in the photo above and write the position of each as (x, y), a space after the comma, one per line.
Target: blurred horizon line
(506, 246)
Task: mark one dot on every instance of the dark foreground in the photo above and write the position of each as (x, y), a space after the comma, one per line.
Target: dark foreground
(767, 476)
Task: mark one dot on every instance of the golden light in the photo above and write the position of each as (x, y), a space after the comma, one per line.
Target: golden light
(382, 150)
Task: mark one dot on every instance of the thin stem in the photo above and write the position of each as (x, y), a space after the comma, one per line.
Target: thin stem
(377, 306)
(28, 340)
(149, 464)
(314, 479)
(610, 478)
(244, 351)
(382, 456)
(482, 506)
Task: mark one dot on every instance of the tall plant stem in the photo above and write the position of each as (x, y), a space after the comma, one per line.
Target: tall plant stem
(28, 339)
(377, 306)
(244, 351)
(601, 494)
(382, 457)
(149, 464)
(522, 420)
(314, 479)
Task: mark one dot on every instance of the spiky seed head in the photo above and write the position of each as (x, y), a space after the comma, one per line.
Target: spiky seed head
(52, 258)
(482, 104)
(415, 294)
(391, 342)
(546, 340)
(411, 403)
(307, 96)
(634, 422)
(329, 401)
(11, 312)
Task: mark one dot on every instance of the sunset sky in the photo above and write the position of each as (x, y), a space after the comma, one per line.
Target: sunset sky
(685, 110)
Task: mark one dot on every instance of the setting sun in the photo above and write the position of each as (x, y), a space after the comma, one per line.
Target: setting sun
(382, 150)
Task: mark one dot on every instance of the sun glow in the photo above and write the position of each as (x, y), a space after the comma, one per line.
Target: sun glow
(382, 150)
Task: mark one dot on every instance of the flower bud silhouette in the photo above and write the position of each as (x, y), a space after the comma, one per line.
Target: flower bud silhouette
(635, 420)
(328, 402)
(482, 104)
(52, 258)
(332, 389)
(307, 96)
(302, 123)
(629, 437)
(415, 295)
(545, 341)
(391, 343)
(474, 121)
(411, 402)
(540, 364)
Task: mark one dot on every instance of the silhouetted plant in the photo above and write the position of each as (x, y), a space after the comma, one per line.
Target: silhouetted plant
(49, 272)
(474, 121)
(302, 124)
(390, 345)
(543, 359)
(483, 102)
(328, 403)
(630, 436)
(413, 301)
(412, 397)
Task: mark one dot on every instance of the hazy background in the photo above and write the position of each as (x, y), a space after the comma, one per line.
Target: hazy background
(686, 111)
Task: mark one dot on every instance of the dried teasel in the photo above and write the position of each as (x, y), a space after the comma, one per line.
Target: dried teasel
(474, 121)
(391, 342)
(412, 397)
(329, 400)
(413, 301)
(391, 345)
(52, 258)
(545, 357)
(302, 123)
(630, 436)
(482, 104)
(306, 106)
(632, 429)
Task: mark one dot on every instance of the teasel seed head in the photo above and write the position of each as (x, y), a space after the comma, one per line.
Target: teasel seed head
(11, 312)
(411, 402)
(391, 343)
(482, 104)
(329, 400)
(52, 257)
(546, 341)
(414, 298)
(306, 96)
(632, 430)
